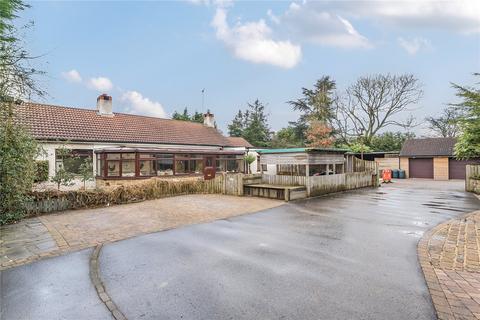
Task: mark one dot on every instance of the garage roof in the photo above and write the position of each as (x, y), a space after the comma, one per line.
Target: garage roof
(428, 147)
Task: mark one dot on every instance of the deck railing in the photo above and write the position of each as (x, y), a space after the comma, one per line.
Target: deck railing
(365, 175)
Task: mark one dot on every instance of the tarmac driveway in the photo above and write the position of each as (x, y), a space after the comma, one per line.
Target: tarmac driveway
(343, 256)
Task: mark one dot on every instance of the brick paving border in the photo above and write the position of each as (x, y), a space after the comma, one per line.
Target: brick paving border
(100, 288)
(455, 290)
(439, 298)
(41, 256)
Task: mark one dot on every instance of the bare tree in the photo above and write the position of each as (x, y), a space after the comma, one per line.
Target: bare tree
(446, 124)
(376, 102)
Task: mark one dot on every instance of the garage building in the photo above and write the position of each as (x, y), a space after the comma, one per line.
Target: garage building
(432, 158)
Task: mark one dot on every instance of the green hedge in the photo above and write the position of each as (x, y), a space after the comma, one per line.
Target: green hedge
(41, 171)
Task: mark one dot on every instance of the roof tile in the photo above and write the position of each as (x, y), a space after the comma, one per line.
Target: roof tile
(239, 142)
(428, 147)
(50, 122)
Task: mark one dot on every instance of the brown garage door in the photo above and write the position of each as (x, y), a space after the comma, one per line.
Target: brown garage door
(421, 168)
(456, 168)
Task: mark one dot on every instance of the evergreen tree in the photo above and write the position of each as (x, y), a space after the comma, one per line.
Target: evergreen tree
(256, 129)
(286, 138)
(468, 144)
(251, 124)
(197, 117)
(185, 116)
(389, 141)
(317, 103)
(315, 106)
(235, 129)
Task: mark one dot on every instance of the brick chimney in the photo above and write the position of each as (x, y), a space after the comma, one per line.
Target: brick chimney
(209, 120)
(104, 105)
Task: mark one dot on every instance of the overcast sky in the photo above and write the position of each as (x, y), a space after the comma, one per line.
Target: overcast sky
(156, 57)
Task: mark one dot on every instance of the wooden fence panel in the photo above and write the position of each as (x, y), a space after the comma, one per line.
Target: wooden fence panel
(214, 185)
(472, 178)
(355, 180)
(284, 180)
(318, 185)
(232, 184)
(360, 165)
(252, 178)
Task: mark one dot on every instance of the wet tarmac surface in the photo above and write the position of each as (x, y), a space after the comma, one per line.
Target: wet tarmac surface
(344, 256)
(51, 289)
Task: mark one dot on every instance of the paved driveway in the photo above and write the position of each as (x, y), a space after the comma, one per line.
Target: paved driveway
(345, 256)
(348, 256)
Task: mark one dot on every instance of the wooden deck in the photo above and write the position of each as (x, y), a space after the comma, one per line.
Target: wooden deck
(273, 191)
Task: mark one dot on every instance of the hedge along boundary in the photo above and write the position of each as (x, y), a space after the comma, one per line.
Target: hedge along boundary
(51, 201)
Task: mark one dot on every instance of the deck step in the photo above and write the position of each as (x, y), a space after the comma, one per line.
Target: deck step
(271, 191)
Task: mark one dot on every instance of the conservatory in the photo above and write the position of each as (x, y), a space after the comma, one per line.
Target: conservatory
(140, 163)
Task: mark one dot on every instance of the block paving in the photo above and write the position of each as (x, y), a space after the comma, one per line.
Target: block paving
(55, 234)
(449, 255)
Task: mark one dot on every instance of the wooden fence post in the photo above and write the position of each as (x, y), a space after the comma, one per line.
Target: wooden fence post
(224, 184)
(308, 184)
(467, 177)
(240, 184)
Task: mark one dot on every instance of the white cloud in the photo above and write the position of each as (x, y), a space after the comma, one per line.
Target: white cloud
(329, 23)
(413, 45)
(72, 76)
(217, 3)
(311, 24)
(273, 17)
(252, 41)
(100, 84)
(459, 16)
(138, 104)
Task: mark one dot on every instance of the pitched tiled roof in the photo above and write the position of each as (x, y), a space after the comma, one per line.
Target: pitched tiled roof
(239, 142)
(48, 122)
(428, 147)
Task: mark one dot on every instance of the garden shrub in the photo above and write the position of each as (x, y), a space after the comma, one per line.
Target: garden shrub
(41, 171)
(17, 166)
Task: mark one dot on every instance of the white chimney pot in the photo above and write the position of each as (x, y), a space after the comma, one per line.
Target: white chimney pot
(104, 105)
(209, 120)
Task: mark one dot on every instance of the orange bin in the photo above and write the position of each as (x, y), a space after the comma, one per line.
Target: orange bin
(387, 175)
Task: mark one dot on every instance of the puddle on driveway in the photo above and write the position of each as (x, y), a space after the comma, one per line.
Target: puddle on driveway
(420, 223)
(441, 206)
(415, 234)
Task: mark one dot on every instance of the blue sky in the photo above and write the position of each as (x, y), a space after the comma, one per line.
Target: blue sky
(155, 57)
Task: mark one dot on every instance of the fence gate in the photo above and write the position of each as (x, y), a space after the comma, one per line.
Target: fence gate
(231, 184)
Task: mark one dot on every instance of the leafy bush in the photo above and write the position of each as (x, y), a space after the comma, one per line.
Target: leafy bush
(63, 176)
(249, 159)
(41, 171)
(17, 166)
(86, 171)
(468, 143)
